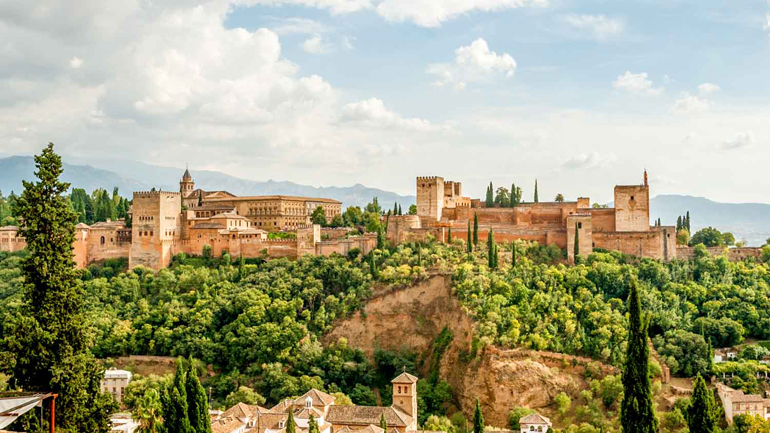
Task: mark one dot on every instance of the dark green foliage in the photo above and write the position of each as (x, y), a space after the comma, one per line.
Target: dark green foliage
(413, 209)
(491, 250)
(513, 254)
(46, 344)
(637, 414)
(449, 236)
(470, 241)
(475, 229)
(312, 425)
(709, 237)
(380, 239)
(576, 251)
(373, 266)
(383, 422)
(701, 414)
(291, 426)
(686, 353)
(174, 407)
(490, 197)
(363, 395)
(478, 419)
(400, 212)
(318, 216)
(197, 402)
(537, 199)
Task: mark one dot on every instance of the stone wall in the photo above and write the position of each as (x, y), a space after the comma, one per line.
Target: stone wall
(653, 244)
(430, 196)
(582, 224)
(155, 228)
(733, 254)
(602, 220)
(10, 241)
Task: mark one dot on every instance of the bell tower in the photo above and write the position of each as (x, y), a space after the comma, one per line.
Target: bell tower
(405, 394)
(186, 185)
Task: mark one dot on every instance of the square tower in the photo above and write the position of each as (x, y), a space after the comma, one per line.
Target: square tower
(155, 228)
(405, 394)
(632, 208)
(430, 197)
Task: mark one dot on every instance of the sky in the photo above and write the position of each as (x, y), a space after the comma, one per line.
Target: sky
(579, 94)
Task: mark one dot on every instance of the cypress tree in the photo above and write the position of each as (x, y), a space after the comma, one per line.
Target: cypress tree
(701, 415)
(380, 239)
(383, 422)
(679, 223)
(688, 221)
(291, 427)
(373, 265)
(197, 403)
(536, 197)
(449, 237)
(395, 209)
(478, 419)
(400, 212)
(637, 414)
(200, 198)
(513, 254)
(491, 249)
(490, 200)
(514, 201)
(174, 407)
(46, 343)
(577, 242)
(470, 243)
(312, 426)
(475, 229)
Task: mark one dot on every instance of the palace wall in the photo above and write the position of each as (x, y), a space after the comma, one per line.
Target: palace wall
(733, 254)
(155, 228)
(632, 208)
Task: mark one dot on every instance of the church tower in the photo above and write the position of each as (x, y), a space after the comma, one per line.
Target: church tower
(405, 394)
(187, 185)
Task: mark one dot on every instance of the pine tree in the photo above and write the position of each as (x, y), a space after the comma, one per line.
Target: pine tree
(47, 342)
(312, 426)
(475, 229)
(536, 197)
(197, 403)
(291, 427)
(383, 422)
(701, 415)
(577, 242)
(478, 419)
(637, 414)
(470, 243)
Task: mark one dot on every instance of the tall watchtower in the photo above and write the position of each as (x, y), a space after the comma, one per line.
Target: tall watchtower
(430, 196)
(155, 228)
(632, 207)
(405, 393)
(187, 184)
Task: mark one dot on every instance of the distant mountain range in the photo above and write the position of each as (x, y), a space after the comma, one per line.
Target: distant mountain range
(749, 221)
(130, 176)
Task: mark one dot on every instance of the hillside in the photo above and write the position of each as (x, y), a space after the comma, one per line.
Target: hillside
(125, 174)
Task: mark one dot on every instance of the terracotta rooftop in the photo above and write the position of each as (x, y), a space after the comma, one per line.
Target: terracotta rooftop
(9, 229)
(229, 215)
(226, 425)
(319, 398)
(368, 429)
(365, 415)
(404, 378)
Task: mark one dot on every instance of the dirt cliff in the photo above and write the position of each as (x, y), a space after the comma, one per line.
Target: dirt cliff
(411, 318)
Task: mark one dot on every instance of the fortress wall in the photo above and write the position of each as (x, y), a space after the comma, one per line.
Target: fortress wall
(364, 243)
(155, 228)
(10, 242)
(399, 227)
(332, 234)
(112, 248)
(506, 235)
(632, 208)
(602, 220)
(642, 244)
(733, 254)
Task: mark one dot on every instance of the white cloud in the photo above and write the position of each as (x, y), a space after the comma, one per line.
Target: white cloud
(432, 13)
(707, 88)
(690, 137)
(591, 160)
(689, 104)
(347, 42)
(298, 25)
(76, 63)
(372, 113)
(316, 45)
(599, 27)
(475, 62)
(636, 84)
(741, 140)
(334, 6)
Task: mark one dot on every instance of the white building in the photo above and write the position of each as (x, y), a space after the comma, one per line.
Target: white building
(535, 423)
(115, 382)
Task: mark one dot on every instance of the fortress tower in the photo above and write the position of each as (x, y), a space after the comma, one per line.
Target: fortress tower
(405, 393)
(155, 228)
(430, 196)
(632, 207)
(187, 184)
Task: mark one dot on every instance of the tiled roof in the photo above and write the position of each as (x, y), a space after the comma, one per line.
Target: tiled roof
(365, 415)
(207, 226)
(319, 398)
(368, 429)
(535, 418)
(305, 413)
(404, 378)
(278, 197)
(226, 425)
(739, 397)
(228, 215)
(240, 410)
(9, 229)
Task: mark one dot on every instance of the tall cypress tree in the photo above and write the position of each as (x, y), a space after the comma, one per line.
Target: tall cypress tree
(470, 242)
(478, 419)
(688, 221)
(537, 200)
(383, 422)
(46, 342)
(395, 209)
(577, 242)
(197, 403)
(491, 249)
(514, 200)
(400, 212)
(490, 199)
(679, 223)
(513, 254)
(637, 414)
(312, 426)
(701, 415)
(291, 426)
(174, 407)
(449, 237)
(475, 229)
(373, 265)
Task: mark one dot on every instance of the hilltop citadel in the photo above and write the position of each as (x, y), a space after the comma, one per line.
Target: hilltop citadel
(168, 223)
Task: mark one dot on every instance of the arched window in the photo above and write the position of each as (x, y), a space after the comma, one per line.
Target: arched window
(102, 240)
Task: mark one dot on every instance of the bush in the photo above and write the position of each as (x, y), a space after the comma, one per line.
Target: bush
(563, 402)
(516, 414)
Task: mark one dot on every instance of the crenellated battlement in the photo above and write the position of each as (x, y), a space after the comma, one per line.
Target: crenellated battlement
(427, 178)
